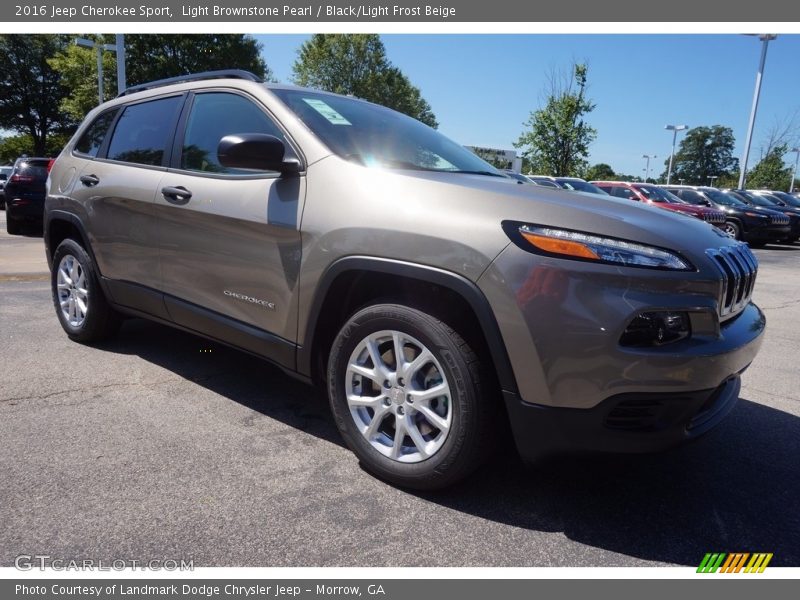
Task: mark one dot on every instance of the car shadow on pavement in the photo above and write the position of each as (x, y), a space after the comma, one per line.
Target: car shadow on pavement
(238, 376)
(733, 490)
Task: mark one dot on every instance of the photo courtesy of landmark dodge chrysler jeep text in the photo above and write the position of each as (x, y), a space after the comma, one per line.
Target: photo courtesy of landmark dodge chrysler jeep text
(432, 295)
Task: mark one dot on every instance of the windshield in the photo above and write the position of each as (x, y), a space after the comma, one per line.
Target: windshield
(656, 194)
(375, 136)
(762, 200)
(723, 198)
(580, 186)
(788, 199)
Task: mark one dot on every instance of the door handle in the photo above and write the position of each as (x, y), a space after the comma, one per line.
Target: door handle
(176, 195)
(89, 180)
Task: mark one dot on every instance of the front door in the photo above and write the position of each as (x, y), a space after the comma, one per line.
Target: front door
(229, 239)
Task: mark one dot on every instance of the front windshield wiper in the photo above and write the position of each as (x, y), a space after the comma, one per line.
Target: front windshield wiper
(490, 173)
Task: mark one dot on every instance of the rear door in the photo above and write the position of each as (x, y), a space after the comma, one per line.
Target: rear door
(117, 185)
(230, 242)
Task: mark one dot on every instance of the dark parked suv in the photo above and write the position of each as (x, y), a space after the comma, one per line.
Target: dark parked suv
(773, 202)
(753, 224)
(431, 295)
(25, 193)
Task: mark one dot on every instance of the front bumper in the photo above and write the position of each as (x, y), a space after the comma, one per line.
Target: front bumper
(628, 423)
(579, 390)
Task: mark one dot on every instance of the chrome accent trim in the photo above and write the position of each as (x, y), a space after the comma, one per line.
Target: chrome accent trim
(738, 267)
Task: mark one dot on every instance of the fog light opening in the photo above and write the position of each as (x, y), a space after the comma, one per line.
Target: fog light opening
(656, 329)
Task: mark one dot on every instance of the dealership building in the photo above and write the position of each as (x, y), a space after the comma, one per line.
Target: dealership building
(502, 159)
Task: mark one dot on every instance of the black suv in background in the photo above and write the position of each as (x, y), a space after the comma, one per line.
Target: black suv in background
(25, 192)
(752, 224)
(771, 201)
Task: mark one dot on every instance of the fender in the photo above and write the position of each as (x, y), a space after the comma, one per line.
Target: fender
(447, 279)
(73, 219)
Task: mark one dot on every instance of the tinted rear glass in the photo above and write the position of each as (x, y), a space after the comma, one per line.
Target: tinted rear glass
(93, 137)
(143, 131)
(33, 168)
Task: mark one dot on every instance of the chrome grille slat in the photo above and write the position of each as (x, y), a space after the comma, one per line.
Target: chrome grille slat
(738, 268)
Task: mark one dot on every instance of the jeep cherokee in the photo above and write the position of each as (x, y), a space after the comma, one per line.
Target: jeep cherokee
(434, 297)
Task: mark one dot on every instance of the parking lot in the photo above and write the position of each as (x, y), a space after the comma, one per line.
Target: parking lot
(159, 444)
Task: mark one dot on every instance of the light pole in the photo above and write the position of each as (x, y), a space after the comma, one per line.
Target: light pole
(674, 129)
(647, 168)
(711, 179)
(119, 48)
(794, 172)
(765, 39)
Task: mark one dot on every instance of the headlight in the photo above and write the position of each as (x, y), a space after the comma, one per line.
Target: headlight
(758, 216)
(586, 246)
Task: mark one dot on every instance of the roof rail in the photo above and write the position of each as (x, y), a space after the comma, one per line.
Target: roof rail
(223, 74)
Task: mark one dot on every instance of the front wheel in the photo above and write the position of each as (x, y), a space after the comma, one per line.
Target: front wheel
(732, 229)
(408, 397)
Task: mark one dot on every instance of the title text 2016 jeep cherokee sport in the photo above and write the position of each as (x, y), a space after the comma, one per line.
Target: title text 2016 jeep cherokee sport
(434, 296)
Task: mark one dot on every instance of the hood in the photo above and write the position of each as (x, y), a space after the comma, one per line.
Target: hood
(471, 208)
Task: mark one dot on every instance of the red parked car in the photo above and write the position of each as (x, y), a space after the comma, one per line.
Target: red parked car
(652, 194)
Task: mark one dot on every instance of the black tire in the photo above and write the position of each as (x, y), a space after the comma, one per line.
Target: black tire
(13, 226)
(474, 408)
(101, 321)
(733, 229)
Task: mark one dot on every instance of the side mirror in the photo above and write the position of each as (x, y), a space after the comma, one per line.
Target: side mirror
(258, 151)
(705, 202)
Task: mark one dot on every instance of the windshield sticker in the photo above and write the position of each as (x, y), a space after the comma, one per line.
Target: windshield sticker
(326, 111)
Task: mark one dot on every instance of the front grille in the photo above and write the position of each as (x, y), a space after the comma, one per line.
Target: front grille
(780, 220)
(717, 218)
(738, 267)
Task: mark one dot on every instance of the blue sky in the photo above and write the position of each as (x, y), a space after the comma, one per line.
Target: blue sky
(483, 87)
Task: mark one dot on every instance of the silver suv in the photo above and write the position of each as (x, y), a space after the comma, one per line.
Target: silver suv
(433, 296)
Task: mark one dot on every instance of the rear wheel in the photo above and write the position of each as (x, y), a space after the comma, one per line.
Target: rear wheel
(407, 394)
(81, 307)
(13, 226)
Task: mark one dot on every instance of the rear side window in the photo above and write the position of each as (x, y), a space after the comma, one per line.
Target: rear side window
(144, 131)
(213, 116)
(93, 137)
(33, 168)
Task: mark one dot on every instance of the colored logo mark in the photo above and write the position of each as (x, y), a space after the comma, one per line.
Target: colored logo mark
(735, 562)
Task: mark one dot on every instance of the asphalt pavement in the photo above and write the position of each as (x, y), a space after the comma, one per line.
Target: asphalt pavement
(161, 445)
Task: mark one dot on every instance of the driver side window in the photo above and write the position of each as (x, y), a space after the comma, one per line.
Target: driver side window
(213, 116)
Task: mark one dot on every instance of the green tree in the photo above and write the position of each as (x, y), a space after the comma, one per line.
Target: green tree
(150, 57)
(77, 66)
(558, 138)
(771, 173)
(32, 92)
(703, 152)
(600, 172)
(357, 65)
(12, 147)
(157, 56)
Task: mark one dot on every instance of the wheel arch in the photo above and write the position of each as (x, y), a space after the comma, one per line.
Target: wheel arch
(60, 225)
(337, 294)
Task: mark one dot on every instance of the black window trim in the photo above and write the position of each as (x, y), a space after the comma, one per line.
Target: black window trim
(77, 153)
(102, 154)
(177, 147)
